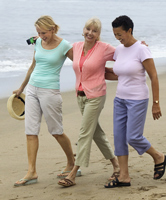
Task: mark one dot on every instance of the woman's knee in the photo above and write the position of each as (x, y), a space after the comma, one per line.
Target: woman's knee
(132, 141)
(56, 136)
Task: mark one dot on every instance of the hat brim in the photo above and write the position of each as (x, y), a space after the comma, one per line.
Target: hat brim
(16, 106)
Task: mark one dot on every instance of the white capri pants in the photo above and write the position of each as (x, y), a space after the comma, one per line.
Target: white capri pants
(43, 101)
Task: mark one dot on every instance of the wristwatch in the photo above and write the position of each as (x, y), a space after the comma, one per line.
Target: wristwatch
(156, 101)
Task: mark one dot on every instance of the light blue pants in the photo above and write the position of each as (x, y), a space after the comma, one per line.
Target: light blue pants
(129, 120)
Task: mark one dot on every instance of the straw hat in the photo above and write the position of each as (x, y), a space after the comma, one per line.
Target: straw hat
(16, 106)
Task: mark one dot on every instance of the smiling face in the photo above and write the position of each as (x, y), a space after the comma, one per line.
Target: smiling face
(123, 36)
(45, 35)
(91, 33)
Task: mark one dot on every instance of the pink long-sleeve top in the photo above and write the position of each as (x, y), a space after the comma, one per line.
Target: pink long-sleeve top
(92, 76)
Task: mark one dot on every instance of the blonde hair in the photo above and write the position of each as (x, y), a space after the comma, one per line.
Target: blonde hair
(95, 22)
(47, 23)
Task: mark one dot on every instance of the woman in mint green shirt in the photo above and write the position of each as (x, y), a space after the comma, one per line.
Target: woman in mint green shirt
(43, 95)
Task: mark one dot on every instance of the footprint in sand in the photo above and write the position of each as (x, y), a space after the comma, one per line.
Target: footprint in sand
(146, 176)
(65, 194)
(146, 188)
(155, 196)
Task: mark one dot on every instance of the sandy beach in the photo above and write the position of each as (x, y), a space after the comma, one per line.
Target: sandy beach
(51, 159)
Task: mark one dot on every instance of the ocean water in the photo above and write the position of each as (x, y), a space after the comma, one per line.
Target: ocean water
(17, 24)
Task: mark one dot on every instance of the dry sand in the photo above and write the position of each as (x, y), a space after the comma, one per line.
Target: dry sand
(51, 159)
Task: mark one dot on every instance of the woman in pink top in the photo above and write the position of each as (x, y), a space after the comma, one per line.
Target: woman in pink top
(89, 59)
(131, 102)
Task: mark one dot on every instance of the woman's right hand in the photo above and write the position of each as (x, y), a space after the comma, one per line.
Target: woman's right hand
(35, 38)
(18, 92)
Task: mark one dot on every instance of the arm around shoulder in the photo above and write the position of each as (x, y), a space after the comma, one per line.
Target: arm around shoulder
(110, 75)
(69, 54)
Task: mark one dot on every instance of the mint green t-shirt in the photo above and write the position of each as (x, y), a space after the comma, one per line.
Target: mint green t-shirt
(46, 73)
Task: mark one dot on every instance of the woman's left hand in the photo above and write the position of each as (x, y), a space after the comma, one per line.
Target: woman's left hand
(156, 112)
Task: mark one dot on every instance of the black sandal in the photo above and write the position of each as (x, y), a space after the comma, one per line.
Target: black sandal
(159, 169)
(116, 183)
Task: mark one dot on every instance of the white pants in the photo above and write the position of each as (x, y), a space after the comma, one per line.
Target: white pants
(43, 101)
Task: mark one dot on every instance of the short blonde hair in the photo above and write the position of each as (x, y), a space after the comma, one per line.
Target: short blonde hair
(95, 22)
(47, 23)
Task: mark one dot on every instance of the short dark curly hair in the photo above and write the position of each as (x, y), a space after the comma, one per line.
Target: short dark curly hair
(123, 21)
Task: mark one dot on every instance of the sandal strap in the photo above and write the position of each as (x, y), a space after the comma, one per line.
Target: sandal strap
(157, 168)
(157, 165)
(68, 181)
(115, 182)
(115, 174)
(158, 172)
